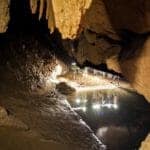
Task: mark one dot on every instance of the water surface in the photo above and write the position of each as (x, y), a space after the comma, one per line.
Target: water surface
(119, 118)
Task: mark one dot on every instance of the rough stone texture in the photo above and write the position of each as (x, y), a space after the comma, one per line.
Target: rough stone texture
(22, 92)
(95, 48)
(7, 120)
(68, 15)
(64, 15)
(131, 15)
(27, 61)
(145, 144)
(99, 43)
(26, 140)
(100, 22)
(97, 19)
(136, 69)
(4, 15)
(102, 18)
(52, 118)
(106, 17)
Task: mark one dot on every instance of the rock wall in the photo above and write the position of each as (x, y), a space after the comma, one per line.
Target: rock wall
(145, 144)
(96, 25)
(136, 69)
(65, 15)
(4, 14)
(106, 17)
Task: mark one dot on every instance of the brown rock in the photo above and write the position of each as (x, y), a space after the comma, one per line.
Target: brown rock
(136, 69)
(95, 48)
(145, 144)
(4, 15)
(97, 19)
(100, 16)
(132, 15)
(63, 14)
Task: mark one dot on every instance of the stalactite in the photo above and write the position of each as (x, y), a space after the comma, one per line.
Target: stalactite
(47, 8)
(33, 6)
(51, 19)
(49, 11)
(41, 8)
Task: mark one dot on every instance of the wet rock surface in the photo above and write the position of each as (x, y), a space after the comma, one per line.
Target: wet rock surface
(33, 103)
(94, 32)
(52, 118)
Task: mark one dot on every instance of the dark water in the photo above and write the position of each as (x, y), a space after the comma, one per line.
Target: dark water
(120, 119)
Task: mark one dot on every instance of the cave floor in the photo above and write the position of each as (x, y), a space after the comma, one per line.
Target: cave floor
(63, 118)
(43, 121)
(14, 139)
(52, 123)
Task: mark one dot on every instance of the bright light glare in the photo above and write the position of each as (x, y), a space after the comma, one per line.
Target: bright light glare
(80, 108)
(115, 106)
(96, 106)
(85, 70)
(78, 101)
(108, 105)
(85, 100)
(58, 70)
(84, 109)
(92, 88)
(73, 64)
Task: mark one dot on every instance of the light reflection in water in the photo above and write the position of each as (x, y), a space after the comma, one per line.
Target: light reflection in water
(119, 118)
(82, 99)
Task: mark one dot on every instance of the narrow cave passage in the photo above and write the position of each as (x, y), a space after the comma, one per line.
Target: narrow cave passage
(48, 100)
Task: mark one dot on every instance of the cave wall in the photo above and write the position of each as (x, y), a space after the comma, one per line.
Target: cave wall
(103, 17)
(97, 26)
(4, 15)
(136, 69)
(146, 144)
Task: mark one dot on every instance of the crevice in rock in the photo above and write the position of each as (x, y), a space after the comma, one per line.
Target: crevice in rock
(131, 44)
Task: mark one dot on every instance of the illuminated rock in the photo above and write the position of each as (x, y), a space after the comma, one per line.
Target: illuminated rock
(4, 15)
(136, 69)
(145, 144)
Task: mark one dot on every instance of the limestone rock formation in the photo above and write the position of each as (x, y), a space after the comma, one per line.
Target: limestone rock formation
(62, 14)
(136, 69)
(4, 14)
(106, 17)
(26, 66)
(145, 144)
(104, 20)
(95, 48)
(96, 26)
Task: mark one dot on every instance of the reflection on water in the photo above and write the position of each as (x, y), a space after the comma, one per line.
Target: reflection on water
(119, 118)
(110, 102)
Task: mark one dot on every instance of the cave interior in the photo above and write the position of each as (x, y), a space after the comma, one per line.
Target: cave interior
(80, 93)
